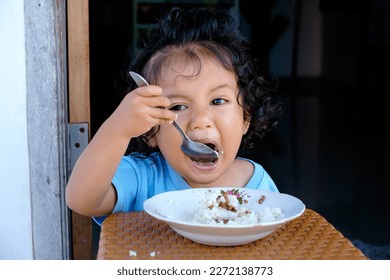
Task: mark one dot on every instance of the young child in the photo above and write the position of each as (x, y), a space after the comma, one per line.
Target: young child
(201, 75)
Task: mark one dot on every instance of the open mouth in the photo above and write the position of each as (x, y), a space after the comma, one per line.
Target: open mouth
(204, 162)
(207, 162)
(212, 146)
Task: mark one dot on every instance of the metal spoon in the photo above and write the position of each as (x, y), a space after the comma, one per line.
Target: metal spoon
(195, 150)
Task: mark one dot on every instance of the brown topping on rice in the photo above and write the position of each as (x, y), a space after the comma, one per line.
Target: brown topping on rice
(261, 200)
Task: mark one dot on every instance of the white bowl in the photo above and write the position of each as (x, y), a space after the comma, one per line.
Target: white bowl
(177, 209)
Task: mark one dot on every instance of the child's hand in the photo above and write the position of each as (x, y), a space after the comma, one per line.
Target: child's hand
(89, 190)
(142, 109)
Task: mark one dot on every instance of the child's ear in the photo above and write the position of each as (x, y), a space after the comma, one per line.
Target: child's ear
(246, 126)
(150, 138)
(152, 142)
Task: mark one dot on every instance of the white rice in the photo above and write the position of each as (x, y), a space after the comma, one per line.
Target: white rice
(210, 211)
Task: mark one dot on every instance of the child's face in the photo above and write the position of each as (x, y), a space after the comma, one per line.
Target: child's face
(208, 112)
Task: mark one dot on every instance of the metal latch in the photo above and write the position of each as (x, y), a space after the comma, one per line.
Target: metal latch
(78, 141)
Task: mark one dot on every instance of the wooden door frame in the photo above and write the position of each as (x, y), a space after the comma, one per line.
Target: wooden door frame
(79, 106)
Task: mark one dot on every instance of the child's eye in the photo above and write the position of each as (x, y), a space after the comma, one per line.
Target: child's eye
(177, 107)
(218, 101)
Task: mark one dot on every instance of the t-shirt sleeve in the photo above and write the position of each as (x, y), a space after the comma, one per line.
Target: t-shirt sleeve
(261, 180)
(125, 182)
(267, 183)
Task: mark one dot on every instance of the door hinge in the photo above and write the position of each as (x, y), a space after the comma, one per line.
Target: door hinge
(78, 141)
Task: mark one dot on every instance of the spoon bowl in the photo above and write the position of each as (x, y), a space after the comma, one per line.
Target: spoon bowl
(195, 150)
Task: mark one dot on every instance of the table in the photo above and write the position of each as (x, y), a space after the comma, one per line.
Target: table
(138, 236)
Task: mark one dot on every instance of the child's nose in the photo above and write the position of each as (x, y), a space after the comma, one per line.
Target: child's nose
(200, 118)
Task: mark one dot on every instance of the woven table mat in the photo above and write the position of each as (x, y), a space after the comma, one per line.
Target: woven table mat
(139, 236)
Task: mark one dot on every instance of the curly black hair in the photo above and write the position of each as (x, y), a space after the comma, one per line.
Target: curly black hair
(195, 33)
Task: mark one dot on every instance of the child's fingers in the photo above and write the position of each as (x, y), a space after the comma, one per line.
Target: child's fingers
(148, 91)
(159, 102)
(163, 115)
(153, 95)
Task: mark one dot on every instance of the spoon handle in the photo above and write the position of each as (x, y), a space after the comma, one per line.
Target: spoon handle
(179, 129)
(140, 81)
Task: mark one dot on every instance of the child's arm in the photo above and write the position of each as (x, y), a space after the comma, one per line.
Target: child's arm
(89, 190)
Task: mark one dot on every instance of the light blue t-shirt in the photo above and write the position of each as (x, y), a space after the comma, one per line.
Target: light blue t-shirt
(138, 179)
